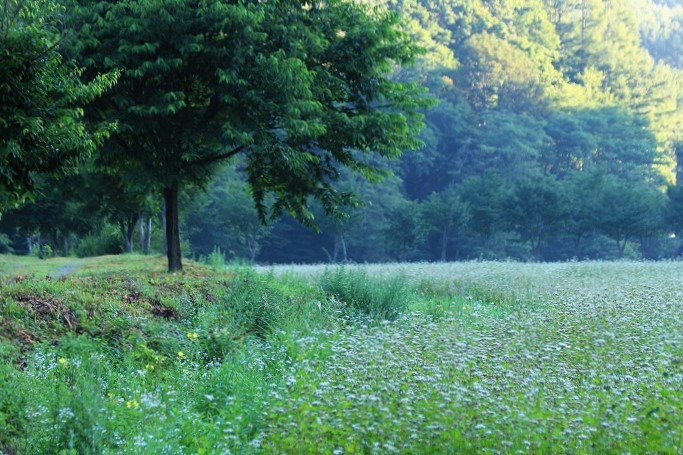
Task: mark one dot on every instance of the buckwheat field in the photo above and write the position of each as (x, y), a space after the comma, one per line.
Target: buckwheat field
(474, 357)
(576, 357)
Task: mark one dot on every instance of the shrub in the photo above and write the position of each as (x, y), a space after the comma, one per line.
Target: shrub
(106, 241)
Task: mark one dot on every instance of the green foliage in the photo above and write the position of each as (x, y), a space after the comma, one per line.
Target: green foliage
(41, 101)
(484, 196)
(300, 92)
(379, 299)
(444, 213)
(225, 216)
(628, 211)
(403, 230)
(535, 208)
(5, 244)
(106, 241)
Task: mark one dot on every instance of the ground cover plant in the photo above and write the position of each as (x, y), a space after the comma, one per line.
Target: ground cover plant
(113, 355)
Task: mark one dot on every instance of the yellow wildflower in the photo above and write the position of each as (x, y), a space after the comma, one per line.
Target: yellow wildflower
(192, 336)
(62, 361)
(181, 355)
(132, 404)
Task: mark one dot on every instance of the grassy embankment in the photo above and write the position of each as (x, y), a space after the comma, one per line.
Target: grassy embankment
(113, 355)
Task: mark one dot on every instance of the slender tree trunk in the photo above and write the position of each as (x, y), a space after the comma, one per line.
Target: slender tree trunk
(127, 241)
(403, 253)
(252, 244)
(29, 244)
(65, 246)
(339, 247)
(487, 242)
(538, 252)
(172, 228)
(621, 246)
(577, 242)
(148, 236)
(127, 231)
(141, 232)
(444, 244)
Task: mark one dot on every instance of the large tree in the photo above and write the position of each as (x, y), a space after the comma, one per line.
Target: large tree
(301, 89)
(535, 209)
(41, 131)
(443, 214)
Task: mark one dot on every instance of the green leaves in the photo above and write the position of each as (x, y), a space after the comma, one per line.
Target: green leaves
(302, 92)
(41, 99)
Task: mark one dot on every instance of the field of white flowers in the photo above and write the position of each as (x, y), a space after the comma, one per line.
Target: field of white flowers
(477, 357)
(575, 357)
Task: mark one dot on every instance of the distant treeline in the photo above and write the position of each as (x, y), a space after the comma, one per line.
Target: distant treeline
(557, 135)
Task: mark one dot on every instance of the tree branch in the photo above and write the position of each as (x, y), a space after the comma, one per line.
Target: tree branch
(215, 158)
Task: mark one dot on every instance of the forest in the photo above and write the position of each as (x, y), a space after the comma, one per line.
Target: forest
(535, 130)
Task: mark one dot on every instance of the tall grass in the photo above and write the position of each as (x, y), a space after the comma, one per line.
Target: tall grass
(378, 298)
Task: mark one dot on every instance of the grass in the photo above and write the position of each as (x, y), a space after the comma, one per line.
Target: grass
(119, 357)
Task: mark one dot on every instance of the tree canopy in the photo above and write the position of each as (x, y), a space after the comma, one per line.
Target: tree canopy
(299, 89)
(41, 99)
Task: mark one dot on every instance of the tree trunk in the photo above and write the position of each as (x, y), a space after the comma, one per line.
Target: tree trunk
(339, 247)
(127, 231)
(252, 246)
(127, 242)
(148, 236)
(335, 253)
(343, 248)
(444, 244)
(538, 252)
(172, 228)
(621, 246)
(29, 244)
(577, 243)
(141, 233)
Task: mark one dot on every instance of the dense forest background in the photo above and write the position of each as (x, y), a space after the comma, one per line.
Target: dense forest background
(557, 135)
